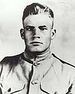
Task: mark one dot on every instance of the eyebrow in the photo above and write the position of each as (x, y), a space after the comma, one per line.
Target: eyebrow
(29, 26)
(42, 26)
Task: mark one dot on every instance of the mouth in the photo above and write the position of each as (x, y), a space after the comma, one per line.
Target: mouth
(36, 43)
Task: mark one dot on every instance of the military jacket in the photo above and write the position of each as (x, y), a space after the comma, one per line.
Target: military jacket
(19, 75)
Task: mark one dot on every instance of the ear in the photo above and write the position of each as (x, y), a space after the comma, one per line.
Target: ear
(53, 32)
(22, 33)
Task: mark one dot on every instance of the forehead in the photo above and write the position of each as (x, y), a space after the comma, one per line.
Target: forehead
(39, 19)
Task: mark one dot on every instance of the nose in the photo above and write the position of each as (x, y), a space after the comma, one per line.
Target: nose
(36, 33)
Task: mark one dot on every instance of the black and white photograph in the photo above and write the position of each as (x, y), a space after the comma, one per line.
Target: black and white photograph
(37, 47)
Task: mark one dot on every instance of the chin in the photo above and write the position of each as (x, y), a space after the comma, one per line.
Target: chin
(36, 50)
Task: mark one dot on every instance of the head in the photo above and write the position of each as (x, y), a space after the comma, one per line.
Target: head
(37, 32)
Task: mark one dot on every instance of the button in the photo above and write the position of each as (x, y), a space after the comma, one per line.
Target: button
(9, 90)
(34, 82)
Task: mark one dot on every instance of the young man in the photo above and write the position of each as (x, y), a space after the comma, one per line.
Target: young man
(37, 70)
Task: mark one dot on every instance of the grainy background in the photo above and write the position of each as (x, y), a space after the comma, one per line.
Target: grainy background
(10, 23)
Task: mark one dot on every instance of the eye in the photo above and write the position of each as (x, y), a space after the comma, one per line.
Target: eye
(29, 28)
(43, 28)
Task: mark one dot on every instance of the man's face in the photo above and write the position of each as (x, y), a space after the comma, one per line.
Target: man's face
(37, 32)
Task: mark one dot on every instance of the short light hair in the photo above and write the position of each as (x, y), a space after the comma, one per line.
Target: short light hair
(36, 8)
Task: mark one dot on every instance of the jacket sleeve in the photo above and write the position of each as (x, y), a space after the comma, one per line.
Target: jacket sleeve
(71, 88)
(4, 69)
(1, 69)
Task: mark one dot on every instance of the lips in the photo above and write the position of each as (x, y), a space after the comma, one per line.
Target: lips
(35, 42)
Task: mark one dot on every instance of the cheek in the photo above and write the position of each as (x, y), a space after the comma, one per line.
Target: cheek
(28, 35)
(47, 36)
(47, 39)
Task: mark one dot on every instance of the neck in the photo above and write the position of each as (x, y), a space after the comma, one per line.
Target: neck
(36, 55)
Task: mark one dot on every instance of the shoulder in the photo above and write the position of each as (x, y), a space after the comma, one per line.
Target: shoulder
(63, 62)
(11, 60)
(63, 67)
(9, 63)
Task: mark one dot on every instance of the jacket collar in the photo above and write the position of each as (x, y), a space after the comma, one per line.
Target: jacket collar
(35, 59)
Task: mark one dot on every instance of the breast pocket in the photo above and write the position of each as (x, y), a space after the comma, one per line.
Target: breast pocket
(18, 90)
(10, 90)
